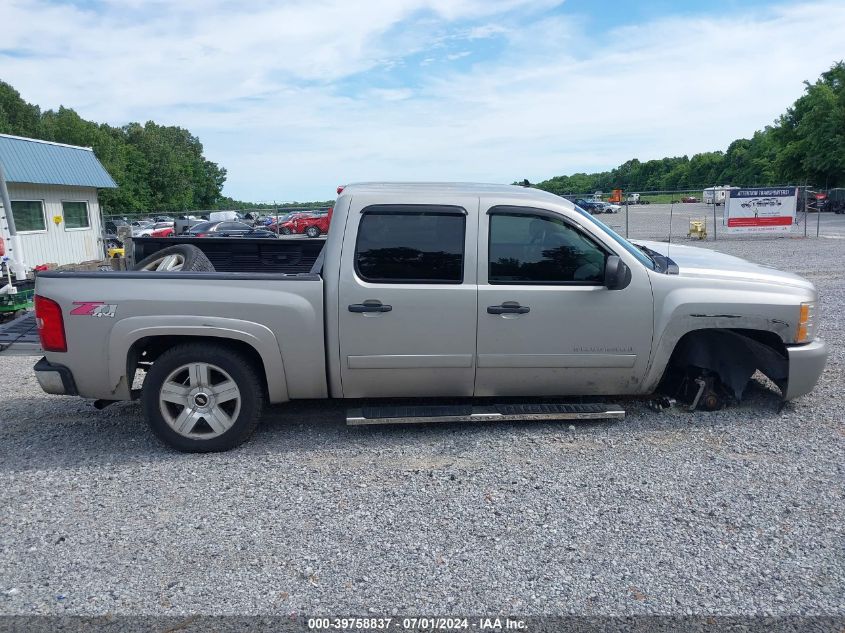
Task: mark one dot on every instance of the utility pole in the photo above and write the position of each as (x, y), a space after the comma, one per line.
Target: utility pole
(805, 208)
(627, 213)
(714, 212)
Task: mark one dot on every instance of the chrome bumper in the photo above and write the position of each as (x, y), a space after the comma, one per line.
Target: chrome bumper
(806, 364)
(55, 379)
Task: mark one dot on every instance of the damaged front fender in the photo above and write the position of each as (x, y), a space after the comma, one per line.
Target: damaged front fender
(733, 356)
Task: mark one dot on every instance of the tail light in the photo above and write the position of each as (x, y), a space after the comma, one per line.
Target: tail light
(200, 234)
(51, 325)
(340, 189)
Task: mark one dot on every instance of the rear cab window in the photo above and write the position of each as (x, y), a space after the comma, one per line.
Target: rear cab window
(411, 244)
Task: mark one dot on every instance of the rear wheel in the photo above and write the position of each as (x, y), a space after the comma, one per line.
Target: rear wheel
(201, 398)
(285, 230)
(312, 231)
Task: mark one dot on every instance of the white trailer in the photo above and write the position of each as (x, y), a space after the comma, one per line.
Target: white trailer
(717, 195)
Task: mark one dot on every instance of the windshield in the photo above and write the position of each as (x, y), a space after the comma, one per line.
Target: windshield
(644, 259)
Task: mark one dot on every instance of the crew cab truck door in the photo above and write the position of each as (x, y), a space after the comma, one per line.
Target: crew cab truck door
(547, 324)
(407, 298)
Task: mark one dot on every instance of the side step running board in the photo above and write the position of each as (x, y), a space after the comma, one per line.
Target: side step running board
(428, 414)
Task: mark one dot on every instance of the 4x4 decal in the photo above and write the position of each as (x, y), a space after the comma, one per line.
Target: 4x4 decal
(94, 309)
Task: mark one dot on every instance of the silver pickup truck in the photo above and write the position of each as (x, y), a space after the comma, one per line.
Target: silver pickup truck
(473, 294)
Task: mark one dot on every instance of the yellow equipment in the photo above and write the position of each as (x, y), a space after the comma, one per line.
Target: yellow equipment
(697, 229)
(116, 252)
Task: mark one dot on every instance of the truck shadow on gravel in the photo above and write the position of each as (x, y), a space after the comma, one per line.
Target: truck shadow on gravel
(80, 435)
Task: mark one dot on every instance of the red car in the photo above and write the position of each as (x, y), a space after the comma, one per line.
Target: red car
(311, 223)
(314, 224)
(287, 225)
(165, 232)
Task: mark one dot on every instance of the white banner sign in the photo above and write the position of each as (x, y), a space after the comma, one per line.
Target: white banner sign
(761, 210)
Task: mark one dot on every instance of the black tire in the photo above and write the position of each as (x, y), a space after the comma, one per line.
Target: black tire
(285, 230)
(240, 370)
(192, 258)
(312, 231)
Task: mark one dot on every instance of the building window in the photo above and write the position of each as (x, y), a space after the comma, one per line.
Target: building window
(29, 215)
(411, 244)
(76, 215)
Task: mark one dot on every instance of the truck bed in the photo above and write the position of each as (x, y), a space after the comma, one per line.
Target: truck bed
(279, 316)
(244, 255)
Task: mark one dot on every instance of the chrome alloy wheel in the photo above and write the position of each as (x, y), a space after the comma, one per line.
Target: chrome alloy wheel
(172, 262)
(199, 400)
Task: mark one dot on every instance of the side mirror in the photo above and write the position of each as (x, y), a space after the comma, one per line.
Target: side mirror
(617, 275)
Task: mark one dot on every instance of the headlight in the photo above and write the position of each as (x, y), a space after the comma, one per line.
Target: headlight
(806, 330)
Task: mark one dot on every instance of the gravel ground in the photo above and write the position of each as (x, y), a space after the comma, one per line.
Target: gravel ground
(734, 512)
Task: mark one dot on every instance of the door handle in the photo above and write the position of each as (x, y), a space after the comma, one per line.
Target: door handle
(508, 307)
(370, 306)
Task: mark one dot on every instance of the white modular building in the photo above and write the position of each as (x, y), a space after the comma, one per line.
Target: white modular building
(53, 192)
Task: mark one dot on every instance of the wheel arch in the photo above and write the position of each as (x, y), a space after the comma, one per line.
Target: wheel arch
(131, 338)
(731, 353)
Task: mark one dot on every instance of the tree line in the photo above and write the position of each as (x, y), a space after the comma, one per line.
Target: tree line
(804, 145)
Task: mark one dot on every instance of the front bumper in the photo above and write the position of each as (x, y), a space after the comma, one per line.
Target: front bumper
(806, 364)
(55, 379)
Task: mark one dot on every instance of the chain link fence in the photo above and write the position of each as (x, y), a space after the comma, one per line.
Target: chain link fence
(696, 214)
(259, 217)
(248, 214)
(700, 214)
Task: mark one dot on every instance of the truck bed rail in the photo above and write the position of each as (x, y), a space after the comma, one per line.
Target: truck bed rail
(242, 254)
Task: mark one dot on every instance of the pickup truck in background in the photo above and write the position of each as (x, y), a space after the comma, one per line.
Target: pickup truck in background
(427, 292)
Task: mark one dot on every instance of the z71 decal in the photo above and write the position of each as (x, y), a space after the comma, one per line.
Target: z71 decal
(94, 309)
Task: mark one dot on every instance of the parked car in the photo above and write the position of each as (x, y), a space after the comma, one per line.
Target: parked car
(141, 225)
(689, 199)
(167, 231)
(288, 226)
(255, 218)
(227, 228)
(608, 207)
(591, 206)
(148, 230)
(836, 200)
(399, 305)
(270, 223)
(313, 224)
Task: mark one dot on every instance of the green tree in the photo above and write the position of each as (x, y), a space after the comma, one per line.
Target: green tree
(157, 168)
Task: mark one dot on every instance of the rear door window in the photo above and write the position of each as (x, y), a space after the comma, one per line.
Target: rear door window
(411, 244)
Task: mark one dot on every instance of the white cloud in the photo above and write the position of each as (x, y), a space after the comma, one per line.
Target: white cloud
(294, 98)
